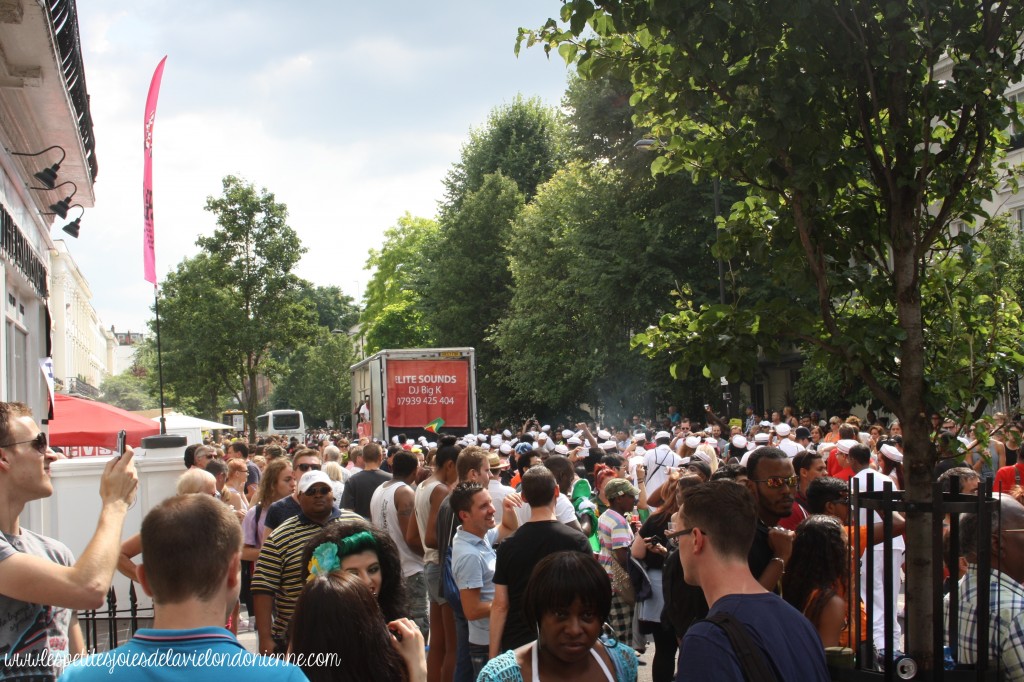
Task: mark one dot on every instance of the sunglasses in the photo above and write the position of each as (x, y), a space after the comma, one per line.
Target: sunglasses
(38, 443)
(308, 467)
(776, 482)
(318, 491)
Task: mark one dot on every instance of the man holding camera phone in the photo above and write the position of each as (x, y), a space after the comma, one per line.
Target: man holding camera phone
(41, 584)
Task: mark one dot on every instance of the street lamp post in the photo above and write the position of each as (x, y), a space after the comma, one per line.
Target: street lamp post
(648, 144)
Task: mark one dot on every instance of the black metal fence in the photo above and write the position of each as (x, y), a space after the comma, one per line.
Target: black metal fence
(109, 627)
(885, 502)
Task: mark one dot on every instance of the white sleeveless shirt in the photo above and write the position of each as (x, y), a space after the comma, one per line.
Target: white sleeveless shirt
(422, 508)
(384, 515)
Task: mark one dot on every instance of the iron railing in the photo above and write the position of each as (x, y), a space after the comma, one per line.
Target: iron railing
(106, 629)
(885, 502)
(81, 387)
(63, 17)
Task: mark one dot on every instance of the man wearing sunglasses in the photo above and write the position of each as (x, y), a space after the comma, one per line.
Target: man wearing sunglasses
(773, 483)
(303, 462)
(41, 584)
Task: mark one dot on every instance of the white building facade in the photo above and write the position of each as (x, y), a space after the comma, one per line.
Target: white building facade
(43, 104)
(83, 349)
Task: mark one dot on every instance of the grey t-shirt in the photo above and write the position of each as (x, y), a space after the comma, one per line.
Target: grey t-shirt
(33, 637)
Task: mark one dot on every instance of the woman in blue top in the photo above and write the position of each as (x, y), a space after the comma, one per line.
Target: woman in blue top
(569, 597)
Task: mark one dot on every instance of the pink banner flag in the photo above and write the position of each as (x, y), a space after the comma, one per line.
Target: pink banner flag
(148, 238)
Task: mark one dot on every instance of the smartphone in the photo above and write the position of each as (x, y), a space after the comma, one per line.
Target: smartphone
(122, 437)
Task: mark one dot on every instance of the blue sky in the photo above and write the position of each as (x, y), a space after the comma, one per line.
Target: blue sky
(351, 113)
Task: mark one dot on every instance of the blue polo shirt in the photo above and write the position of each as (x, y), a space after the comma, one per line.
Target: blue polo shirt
(209, 654)
(473, 560)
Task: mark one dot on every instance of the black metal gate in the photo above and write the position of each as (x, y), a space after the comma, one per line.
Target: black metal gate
(885, 502)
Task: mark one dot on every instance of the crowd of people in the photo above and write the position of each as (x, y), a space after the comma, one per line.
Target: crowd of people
(521, 553)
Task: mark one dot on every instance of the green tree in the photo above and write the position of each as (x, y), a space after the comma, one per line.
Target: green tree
(318, 383)
(467, 288)
(466, 278)
(127, 390)
(662, 245)
(191, 334)
(334, 309)
(393, 316)
(822, 388)
(399, 325)
(229, 312)
(550, 310)
(523, 140)
(863, 130)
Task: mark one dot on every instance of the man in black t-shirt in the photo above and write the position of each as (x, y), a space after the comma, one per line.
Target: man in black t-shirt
(360, 487)
(542, 535)
(772, 482)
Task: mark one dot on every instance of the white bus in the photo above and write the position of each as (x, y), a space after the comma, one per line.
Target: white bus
(281, 423)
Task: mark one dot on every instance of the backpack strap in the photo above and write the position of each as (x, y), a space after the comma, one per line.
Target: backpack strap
(256, 526)
(659, 464)
(752, 660)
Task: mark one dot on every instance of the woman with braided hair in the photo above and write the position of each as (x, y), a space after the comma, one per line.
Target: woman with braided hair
(817, 579)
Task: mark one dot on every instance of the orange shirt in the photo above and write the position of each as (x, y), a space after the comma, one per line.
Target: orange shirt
(846, 636)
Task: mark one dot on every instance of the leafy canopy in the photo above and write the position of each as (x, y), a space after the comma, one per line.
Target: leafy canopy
(862, 130)
(228, 313)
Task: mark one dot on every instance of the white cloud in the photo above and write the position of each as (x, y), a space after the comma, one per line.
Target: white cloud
(349, 121)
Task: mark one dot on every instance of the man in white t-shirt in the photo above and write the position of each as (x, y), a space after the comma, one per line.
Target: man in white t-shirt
(868, 479)
(659, 461)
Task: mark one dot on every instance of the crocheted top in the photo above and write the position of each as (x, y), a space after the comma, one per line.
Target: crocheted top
(504, 668)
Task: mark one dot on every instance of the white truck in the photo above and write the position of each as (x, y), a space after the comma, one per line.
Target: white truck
(405, 390)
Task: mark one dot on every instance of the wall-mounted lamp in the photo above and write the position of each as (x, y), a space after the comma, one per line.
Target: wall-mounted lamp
(47, 176)
(75, 225)
(61, 207)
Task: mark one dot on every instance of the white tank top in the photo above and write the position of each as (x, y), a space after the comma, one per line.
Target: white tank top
(422, 508)
(384, 515)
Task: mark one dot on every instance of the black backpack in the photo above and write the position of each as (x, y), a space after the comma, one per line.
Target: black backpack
(449, 588)
(752, 660)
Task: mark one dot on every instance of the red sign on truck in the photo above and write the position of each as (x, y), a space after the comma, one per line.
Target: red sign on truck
(420, 391)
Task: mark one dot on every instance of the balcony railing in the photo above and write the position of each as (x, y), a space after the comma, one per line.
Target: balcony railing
(80, 387)
(64, 24)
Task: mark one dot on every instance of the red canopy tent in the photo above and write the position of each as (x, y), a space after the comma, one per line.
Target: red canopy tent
(77, 421)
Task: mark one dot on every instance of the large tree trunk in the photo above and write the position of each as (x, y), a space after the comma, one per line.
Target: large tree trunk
(918, 461)
(918, 457)
(251, 403)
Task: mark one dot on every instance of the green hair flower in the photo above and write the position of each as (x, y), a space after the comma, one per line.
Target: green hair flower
(325, 559)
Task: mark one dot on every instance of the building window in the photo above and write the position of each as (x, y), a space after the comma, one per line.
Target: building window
(1016, 130)
(17, 363)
